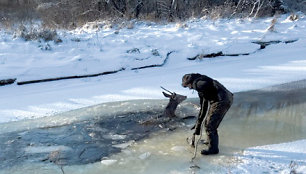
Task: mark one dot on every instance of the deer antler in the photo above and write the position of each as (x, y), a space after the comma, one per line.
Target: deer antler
(166, 90)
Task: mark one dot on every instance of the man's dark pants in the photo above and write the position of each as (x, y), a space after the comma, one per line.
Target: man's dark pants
(216, 112)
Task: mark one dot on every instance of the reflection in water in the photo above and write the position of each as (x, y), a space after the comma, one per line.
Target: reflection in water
(258, 117)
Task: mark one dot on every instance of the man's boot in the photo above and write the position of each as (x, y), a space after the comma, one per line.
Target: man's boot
(213, 140)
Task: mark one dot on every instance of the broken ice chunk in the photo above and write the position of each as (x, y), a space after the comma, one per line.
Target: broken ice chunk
(115, 136)
(108, 162)
(178, 148)
(144, 155)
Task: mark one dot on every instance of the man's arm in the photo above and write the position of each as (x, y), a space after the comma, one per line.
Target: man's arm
(202, 114)
(201, 103)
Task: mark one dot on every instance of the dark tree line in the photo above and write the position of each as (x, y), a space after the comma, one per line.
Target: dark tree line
(71, 13)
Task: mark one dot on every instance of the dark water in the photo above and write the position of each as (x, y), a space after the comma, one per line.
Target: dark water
(81, 142)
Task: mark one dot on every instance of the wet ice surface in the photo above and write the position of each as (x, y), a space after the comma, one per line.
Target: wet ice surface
(118, 143)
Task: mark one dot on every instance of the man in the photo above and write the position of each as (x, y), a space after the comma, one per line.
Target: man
(219, 99)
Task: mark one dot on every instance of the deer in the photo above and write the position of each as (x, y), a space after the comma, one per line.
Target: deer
(174, 101)
(169, 112)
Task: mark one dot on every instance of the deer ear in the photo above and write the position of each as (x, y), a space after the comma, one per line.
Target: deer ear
(166, 95)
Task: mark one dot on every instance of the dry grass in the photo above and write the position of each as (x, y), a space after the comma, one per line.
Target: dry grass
(272, 26)
(38, 34)
(12, 14)
(70, 14)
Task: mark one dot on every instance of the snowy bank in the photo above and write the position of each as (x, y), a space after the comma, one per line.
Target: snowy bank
(276, 158)
(95, 50)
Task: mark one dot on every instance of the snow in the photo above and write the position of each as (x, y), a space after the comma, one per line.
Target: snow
(91, 50)
(277, 158)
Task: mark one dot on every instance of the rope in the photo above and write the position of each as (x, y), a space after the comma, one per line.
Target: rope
(196, 145)
(201, 132)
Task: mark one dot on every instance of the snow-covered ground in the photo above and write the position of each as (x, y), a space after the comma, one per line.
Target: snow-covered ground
(91, 50)
(276, 158)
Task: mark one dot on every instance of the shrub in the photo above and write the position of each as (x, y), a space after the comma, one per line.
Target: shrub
(38, 34)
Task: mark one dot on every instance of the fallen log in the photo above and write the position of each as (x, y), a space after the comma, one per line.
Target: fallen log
(7, 81)
(68, 77)
(263, 45)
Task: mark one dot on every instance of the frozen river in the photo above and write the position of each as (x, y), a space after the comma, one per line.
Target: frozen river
(110, 138)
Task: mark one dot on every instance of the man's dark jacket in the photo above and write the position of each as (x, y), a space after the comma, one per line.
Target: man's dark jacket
(209, 91)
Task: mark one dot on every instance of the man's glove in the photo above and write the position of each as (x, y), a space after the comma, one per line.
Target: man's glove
(197, 128)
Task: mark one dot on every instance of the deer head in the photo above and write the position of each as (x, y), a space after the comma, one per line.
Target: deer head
(175, 99)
